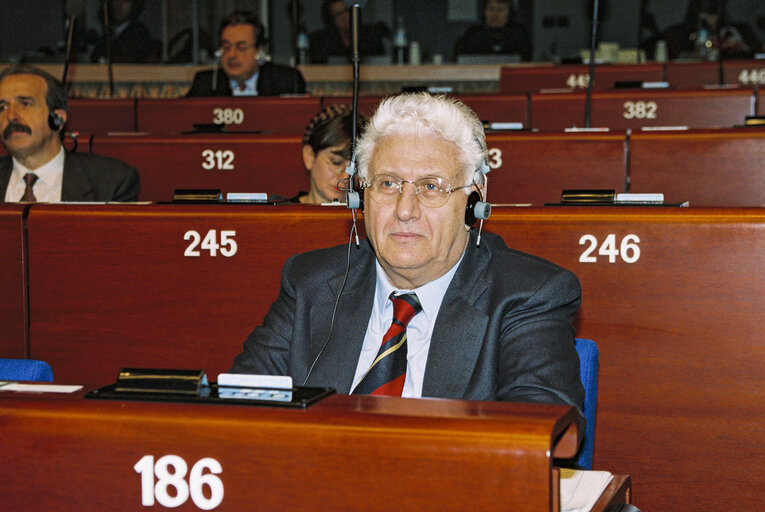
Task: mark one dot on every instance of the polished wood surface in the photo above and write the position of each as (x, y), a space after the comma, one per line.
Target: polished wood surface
(535, 167)
(532, 79)
(13, 278)
(704, 167)
(678, 328)
(691, 75)
(344, 453)
(285, 115)
(632, 109)
(228, 162)
(101, 116)
(505, 108)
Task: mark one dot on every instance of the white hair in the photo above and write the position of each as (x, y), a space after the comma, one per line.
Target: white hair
(420, 115)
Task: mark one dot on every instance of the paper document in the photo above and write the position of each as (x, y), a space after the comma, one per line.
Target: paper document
(580, 490)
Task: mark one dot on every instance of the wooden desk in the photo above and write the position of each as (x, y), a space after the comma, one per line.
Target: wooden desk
(691, 75)
(746, 72)
(621, 110)
(506, 108)
(13, 279)
(678, 326)
(229, 162)
(68, 453)
(287, 115)
(101, 116)
(531, 79)
(535, 167)
(705, 167)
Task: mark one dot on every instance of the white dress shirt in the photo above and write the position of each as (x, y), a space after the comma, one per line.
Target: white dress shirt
(47, 188)
(418, 332)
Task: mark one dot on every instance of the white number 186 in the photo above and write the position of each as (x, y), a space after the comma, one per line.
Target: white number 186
(170, 471)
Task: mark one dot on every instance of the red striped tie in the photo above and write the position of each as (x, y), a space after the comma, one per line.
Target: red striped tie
(387, 373)
(29, 195)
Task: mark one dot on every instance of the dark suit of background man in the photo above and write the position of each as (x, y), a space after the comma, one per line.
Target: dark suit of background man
(241, 42)
(496, 323)
(33, 112)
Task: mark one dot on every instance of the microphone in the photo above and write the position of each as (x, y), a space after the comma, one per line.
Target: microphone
(108, 40)
(588, 101)
(218, 55)
(73, 10)
(353, 197)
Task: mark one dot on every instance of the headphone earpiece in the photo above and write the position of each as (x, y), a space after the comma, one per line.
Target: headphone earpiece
(476, 209)
(54, 121)
(354, 200)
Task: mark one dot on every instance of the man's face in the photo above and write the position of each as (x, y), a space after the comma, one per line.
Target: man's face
(340, 16)
(24, 116)
(413, 243)
(120, 10)
(496, 14)
(240, 55)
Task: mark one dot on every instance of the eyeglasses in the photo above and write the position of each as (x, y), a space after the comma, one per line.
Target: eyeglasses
(431, 192)
(241, 46)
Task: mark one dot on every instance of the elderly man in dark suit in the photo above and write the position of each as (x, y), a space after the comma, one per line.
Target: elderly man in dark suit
(481, 321)
(33, 112)
(242, 74)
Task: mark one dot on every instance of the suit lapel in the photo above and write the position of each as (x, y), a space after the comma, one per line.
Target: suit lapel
(6, 167)
(75, 186)
(459, 330)
(337, 364)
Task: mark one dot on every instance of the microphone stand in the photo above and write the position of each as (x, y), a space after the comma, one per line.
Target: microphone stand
(588, 100)
(68, 57)
(108, 39)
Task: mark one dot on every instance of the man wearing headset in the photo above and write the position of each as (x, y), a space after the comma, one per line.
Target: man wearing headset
(495, 324)
(33, 112)
(241, 43)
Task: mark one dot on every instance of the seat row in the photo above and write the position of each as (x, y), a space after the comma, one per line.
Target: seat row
(618, 109)
(672, 295)
(704, 167)
(678, 75)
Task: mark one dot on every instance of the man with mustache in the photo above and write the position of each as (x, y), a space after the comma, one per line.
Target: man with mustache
(241, 41)
(462, 316)
(33, 112)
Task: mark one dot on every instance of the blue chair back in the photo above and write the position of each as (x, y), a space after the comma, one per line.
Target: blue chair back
(588, 373)
(25, 369)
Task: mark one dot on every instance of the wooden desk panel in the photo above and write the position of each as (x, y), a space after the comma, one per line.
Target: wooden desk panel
(129, 296)
(680, 342)
(13, 310)
(101, 116)
(678, 328)
(506, 108)
(336, 455)
(705, 167)
(229, 162)
(535, 168)
(638, 108)
(691, 75)
(531, 79)
(744, 72)
(288, 115)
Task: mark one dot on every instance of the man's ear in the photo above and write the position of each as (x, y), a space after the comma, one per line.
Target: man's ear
(309, 157)
(61, 113)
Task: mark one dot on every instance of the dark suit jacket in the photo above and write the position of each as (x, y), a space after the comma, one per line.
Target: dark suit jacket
(273, 80)
(504, 330)
(87, 178)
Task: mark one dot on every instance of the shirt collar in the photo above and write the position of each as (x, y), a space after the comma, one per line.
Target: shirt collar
(430, 294)
(250, 86)
(47, 173)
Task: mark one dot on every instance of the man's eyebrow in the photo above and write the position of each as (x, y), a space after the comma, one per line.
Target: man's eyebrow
(27, 98)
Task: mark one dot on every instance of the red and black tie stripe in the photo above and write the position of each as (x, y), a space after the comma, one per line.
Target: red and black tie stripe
(387, 373)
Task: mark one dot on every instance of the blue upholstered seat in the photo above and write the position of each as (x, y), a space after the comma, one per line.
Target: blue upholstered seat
(588, 373)
(25, 369)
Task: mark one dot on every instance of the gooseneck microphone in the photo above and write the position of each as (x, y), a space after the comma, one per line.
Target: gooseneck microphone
(352, 197)
(108, 41)
(73, 9)
(593, 41)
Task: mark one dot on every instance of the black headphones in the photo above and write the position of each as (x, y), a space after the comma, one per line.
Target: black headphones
(55, 121)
